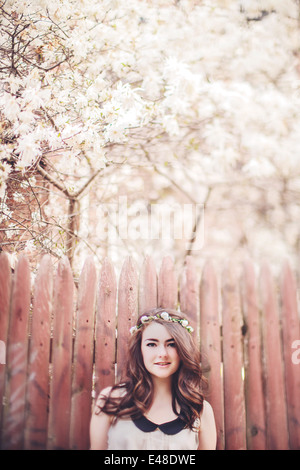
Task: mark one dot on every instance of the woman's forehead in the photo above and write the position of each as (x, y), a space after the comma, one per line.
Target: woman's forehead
(156, 330)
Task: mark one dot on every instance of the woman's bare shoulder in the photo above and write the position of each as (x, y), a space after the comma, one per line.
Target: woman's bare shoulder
(207, 431)
(207, 408)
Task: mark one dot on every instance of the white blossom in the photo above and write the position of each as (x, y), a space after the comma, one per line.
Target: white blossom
(4, 172)
(28, 149)
(164, 315)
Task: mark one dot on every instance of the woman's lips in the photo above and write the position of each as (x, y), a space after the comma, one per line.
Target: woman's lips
(162, 364)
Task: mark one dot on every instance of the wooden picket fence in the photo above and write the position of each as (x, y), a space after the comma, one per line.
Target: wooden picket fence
(59, 347)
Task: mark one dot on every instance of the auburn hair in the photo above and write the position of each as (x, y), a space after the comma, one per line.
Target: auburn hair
(136, 388)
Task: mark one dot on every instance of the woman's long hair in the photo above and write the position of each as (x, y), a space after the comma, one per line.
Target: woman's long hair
(136, 389)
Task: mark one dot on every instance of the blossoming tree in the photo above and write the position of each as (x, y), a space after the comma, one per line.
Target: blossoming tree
(159, 101)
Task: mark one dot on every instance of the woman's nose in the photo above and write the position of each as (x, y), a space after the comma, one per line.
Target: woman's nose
(162, 351)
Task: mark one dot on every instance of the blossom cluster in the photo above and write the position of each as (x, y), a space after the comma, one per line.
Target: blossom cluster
(123, 66)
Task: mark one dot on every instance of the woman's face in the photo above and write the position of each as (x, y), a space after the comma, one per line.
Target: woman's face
(159, 351)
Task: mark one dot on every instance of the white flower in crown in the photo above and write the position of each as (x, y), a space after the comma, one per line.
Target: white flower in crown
(184, 323)
(133, 330)
(144, 318)
(165, 316)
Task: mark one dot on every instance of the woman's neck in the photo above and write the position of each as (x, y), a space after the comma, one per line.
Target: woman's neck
(161, 409)
(162, 388)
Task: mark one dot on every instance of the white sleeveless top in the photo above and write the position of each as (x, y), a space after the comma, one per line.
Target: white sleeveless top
(143, 434)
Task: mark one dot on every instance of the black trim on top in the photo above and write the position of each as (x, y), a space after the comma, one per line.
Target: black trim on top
(170, 428)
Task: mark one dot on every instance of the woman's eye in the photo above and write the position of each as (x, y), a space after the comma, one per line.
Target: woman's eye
(151, 345)
(173, 345)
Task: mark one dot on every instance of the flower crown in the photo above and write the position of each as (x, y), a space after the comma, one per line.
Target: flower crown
(162, 316)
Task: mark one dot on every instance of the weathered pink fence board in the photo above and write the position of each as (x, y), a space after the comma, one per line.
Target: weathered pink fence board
(83, 358)
(255, 409)
(61, 373)
(189, 294)
(61, 344)
(211, 347)
(291, 335)
(276, 415)
(147, 286)
(38, 365)
(17, 352)
(127, 310)
(234, 400)
(5, 293)
(167, 284)
(105, 328)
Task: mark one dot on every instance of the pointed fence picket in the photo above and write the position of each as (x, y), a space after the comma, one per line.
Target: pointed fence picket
(38, 363)
(234, 400)
(5, 294)
(62, 342)
(127, 310)
(291, 336)
(13, 416)
(211, 346)
(61, 367)
(254, 396)
(105, 328)
(81, 398)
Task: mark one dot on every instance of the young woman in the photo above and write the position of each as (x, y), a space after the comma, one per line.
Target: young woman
(160, 404)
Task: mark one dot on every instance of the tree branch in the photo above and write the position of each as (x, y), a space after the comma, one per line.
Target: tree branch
(53, 181)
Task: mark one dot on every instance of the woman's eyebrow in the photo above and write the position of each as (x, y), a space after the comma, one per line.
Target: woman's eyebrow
(156, 340)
